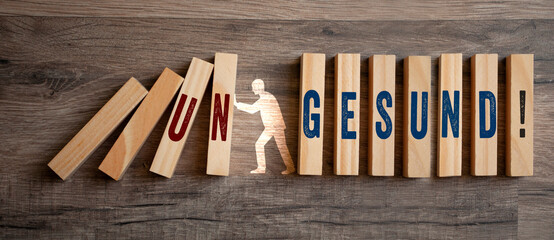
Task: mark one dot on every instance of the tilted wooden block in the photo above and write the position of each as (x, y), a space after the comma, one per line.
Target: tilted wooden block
(182, 118)
(519, 115)
(484, 92)
(141, 124)
(382, 81)
(98, 129)
(449, 139)
(312, 96)
(417, 142)
(221, 119)
(347, 114)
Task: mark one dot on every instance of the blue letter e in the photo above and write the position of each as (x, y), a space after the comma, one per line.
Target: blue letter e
(346, 115)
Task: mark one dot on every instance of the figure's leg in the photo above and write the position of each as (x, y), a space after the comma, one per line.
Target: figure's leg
(284, 150)
(260, 152)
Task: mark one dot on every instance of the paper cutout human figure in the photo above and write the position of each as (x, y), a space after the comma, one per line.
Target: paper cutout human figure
(274, 126)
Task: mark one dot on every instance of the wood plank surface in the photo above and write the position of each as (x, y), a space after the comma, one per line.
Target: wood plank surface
(484, 114)
(182, 118)
(143, 121)
(519, 115)
(382, 81)
(347, 114)
(221, 117)
(52, 67)
(286, 10)
(311, 115)
(449, 140)
(98, 129)
(417, 140)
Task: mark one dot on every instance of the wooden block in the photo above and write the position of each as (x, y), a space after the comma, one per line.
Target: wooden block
(182, 118)
(221, 119)
(417, 142)
(312, 96)
(484, 92)
(347, 114)
(519, 115)
(98, 129)
(449, 139)
(382, 80)
(141, 124)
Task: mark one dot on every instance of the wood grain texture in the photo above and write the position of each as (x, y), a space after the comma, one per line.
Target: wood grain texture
(382, 78)
(125, 149)
(311, 114)
(221, 118)
(52, 67)
(347, 114)
(519, 115)
(95, 132)
(449, 145)
(286, 10)
(484, 149)
(417, 94)
(182, 118)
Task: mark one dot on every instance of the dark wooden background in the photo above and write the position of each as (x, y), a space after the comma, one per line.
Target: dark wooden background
(60, 61)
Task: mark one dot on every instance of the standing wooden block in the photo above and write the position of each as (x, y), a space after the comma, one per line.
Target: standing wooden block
(182, 118)
(98, 129)
(347, 114)
(519, 115)
(484, 92)
(221, 119)
(382, 80)
(312, 96)
(417, 142)
(449, 141)
(141, 124)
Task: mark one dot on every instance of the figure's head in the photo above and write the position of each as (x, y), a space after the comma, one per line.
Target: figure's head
(258, 86)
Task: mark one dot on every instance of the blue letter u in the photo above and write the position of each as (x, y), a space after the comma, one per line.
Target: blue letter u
(413, 126)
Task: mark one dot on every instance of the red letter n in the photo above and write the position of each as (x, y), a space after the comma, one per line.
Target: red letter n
(176, 136)
(220, 117)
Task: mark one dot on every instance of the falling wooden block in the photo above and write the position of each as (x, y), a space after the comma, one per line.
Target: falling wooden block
(519, 115)
(98, 129)
(347, 114)
(182, 118)
(449, 140)
(382, 80)
(484, 92)
(141, 124)
(221, 120)
(312, 96)
(417, 142)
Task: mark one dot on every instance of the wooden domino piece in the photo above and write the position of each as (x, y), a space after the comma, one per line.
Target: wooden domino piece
(484, 92)
(382, 81)
(347, 114)
(221, 119)
(182, 118)
(104, 122)
(449, 139)
(312, 96)
(519, 115)
(141, 125)
(417, 140)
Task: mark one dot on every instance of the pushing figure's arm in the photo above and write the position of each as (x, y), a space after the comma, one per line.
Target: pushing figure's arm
(247, 107)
